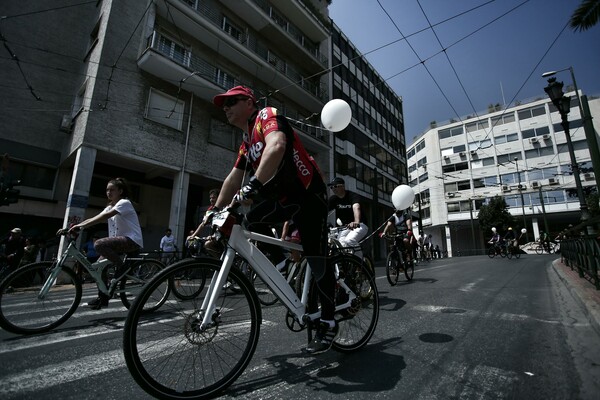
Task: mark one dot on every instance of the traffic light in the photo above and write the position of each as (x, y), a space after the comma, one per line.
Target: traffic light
(8, 195)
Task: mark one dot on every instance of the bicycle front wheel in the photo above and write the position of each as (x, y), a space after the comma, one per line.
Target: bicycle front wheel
(358, 322)
(391, 268)
(491, 252)
(171, 356)
(131, 285)
(23, 311)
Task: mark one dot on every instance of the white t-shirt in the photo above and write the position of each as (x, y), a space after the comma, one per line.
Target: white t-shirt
(167, 243)
(125, 223)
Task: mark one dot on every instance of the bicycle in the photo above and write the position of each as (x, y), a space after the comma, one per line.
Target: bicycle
(197, 348)
(335, 246)
(52, 290)
(513, 249)
(547, 247)
(496, 250)
(397, 260)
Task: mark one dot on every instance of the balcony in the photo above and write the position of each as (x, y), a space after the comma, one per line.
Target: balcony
(174, 63)
(210, 26)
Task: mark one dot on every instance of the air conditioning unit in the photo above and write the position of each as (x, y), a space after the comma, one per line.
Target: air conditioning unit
(522, 186)
(546, 137)
(506, 188)
(588, 176)
(450, 194)
(533, 140)
(66, 123)
(462, 154)
(473, 152)
(552, 181)
(446, 156)
(535, 184)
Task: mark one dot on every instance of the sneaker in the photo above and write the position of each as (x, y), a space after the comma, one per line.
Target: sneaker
(98, 303)
(323, 339)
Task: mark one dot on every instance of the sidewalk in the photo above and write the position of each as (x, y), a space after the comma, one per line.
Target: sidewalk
(582, 291)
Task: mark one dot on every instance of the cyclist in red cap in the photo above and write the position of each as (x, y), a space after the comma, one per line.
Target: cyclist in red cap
(289, 183)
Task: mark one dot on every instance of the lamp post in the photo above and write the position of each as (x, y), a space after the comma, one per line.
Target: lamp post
(563, 105)
(520, 187)
(586, 117)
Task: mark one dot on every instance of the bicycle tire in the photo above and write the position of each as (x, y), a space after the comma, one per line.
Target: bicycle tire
(265, 294)
(503, 252)
(518, 253)
(539, 249)
(168, 355)
(491, 252)
(41, 315)
(141, 272)
(391, 268)
(188, 285)
(409, 270)
(509, 253)
(367, 290)
(357, 323)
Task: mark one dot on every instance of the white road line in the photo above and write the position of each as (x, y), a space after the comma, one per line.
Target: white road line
(469, 286)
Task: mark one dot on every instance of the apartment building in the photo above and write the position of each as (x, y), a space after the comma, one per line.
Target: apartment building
(519, 153)
(125, 89)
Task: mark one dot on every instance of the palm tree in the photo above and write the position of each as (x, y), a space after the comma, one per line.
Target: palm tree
(586, 15)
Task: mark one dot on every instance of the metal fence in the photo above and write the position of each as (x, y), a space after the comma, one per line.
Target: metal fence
(581, 251)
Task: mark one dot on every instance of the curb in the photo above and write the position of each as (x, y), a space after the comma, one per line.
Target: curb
(582, 291)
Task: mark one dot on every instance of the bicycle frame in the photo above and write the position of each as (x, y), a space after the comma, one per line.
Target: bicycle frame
(240, 242)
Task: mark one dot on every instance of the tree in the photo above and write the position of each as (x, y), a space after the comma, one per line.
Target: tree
(586, 15)
(495, 215)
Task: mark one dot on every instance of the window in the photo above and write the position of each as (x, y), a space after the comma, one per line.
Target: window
(539, 152)
(463, 185)
(93, 38)
(35, 176)
(475, 126)
(508, 158)
(174, 50)
(446, 133)
(455, 167)
(529, 133)
(458, 149)
(224, 135)
(165, 109)
(233, 30)
(572, 126)
(531, 112)
(420, 146)
(503, 119)
(578, 145)
(511, 137)
(461, 206)
(543, 173)
(480, 144)
(224, 79)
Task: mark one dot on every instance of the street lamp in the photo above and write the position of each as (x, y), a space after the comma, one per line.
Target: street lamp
(520, 187)
(563, 105)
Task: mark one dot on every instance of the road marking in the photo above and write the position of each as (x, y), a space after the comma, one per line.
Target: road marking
(492, 315)
(469, 286)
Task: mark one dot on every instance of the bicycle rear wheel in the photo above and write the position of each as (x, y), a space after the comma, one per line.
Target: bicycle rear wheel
(392, 269)
(409, 269)
(141, 272)
(539, 249)
(358, 322)
(22, 288)
(171, 356)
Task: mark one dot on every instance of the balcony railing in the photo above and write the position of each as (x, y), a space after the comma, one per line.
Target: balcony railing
(582, 253)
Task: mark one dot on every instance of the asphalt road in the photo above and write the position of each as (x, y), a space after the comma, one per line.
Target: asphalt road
(463, 328)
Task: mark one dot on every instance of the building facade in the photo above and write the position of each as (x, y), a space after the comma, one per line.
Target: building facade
(125, 89)
(520, 153)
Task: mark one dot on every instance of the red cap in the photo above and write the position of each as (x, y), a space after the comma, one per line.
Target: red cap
(219, 99)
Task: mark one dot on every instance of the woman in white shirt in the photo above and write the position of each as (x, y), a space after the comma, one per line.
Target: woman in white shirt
(124, 231)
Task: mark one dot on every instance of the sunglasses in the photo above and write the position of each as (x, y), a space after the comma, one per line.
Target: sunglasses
(335, 186)
(232, 101)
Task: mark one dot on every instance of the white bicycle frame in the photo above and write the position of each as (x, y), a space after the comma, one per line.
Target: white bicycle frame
(240, 242)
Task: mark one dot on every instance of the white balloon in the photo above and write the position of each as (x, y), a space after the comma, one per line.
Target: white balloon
(336, 115)
(523, 230)
(402, 197)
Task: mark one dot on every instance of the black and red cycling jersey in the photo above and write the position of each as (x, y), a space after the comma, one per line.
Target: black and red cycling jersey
(297, 170)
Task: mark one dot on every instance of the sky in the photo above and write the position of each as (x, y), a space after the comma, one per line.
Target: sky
(496, 52)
